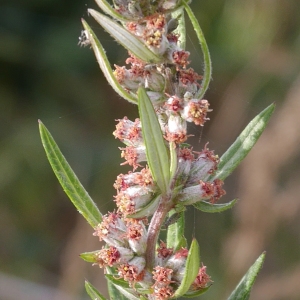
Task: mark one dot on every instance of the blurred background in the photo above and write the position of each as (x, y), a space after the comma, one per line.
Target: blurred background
(255, 49)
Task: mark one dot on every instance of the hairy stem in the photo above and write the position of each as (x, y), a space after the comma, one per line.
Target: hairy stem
(154, 229)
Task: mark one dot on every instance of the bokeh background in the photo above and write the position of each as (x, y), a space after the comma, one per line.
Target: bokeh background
(255, 49)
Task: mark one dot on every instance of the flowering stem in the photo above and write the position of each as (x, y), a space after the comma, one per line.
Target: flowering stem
(206, 55)
(154, 229)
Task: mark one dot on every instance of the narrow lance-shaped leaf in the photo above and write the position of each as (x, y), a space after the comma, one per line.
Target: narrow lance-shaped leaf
(173, 159)
(119, 290)
(243, 144)
(93, 292)
(91, 257)
(175, 234)
(68, 180)
(107, 8)
(105, 65)
(193, 294)
(156, 150)
(243, 289)
(119, 282)
(146, 211)
(125, 38)
(191, 269)
(214, 208)
(180, 30)
(205, 51)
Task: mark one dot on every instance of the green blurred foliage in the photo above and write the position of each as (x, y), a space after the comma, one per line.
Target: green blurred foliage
(254, 45)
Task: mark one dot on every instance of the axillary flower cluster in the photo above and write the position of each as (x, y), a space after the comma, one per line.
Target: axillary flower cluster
(157, 70)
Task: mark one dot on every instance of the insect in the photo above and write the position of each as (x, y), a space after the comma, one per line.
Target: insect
(84, 39)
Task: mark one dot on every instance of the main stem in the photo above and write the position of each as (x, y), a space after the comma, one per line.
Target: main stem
(154, 229)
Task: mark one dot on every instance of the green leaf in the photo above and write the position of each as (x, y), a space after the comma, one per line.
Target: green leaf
(68, 180)
(156, 150)
(105, 65)
(175, 233)
(205, 51)
(125, 38)
(93, 292)
(191, 269)
(108, 9)
(117, 281)
(90, 257)
(146, 211)
(118, 292)
(243, 289)
(193, 294)
(243, 144)
(180, 30)
(173, 159)
(118, 288)
(124, 285)
(214, 208)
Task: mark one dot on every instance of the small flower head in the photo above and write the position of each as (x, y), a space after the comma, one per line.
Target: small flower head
(202, 280)
(112, 256)
(112, 230)
(142, 179)
(129, 132)
(204, 190)
(133, 271)
(176, 130)
(137, 236)
(195, 111)
(134, 155)
(133, 198)
(184, 164)
(205, 164)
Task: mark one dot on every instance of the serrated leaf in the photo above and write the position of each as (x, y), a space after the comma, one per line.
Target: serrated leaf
(125, 38)
(93, 292)
(156, 150)
(90, 257)
(175, 233)
(68, 180)
(105, 65)
(146, 211)
(243, 289)
(193, 294)
(243, 144)
(191, 269)
(214, 208)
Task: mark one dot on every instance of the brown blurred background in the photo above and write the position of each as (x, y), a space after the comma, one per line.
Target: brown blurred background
(255, 49)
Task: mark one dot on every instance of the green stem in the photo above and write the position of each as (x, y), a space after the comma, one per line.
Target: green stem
(205, 51)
